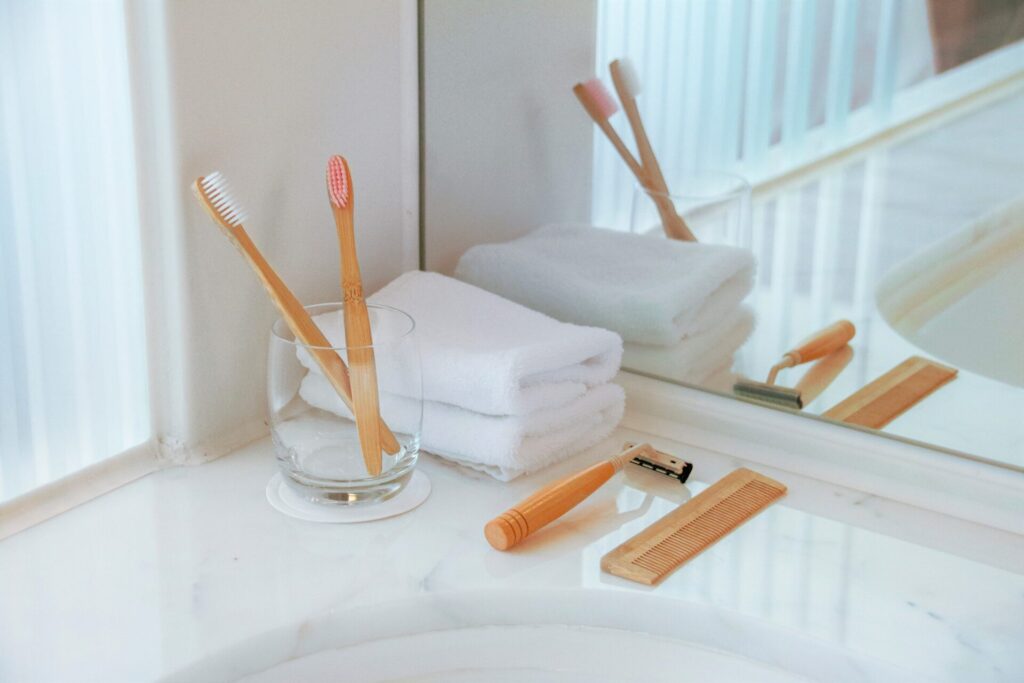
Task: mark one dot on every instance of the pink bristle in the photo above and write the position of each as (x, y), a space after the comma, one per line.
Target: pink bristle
(337, 182)
(602, 99)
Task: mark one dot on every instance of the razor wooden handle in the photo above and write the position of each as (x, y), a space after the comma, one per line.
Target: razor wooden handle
(546, 505)
(823, 342)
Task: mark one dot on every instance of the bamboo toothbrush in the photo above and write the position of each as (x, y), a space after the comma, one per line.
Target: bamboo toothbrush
(214, 194)
(627, 85)
(600, 106)
(358, 339)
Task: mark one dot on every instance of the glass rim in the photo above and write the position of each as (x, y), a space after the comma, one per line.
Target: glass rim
(279, 322)
(742, 184)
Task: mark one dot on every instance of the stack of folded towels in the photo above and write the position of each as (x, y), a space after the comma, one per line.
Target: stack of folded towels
(506, 390)
(677, 304)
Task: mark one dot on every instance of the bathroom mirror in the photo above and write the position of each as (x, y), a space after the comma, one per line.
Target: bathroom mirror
(880, 142)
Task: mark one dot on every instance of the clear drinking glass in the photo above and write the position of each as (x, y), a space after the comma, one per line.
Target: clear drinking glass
(714, 204)
(315, 436)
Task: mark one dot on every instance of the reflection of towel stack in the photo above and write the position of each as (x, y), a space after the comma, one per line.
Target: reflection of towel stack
(506, 389)
(704, 359)
(678, 304)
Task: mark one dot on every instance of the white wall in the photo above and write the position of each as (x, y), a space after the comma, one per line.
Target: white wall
(507, 145)
(263, 91)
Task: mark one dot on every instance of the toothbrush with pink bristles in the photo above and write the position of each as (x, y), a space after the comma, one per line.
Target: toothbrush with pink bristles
(600, 106)
(358, 339)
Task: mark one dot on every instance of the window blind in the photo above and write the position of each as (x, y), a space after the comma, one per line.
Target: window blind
(755, 86)
(73, 373)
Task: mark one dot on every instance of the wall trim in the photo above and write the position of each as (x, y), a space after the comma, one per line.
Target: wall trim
(965, 487)
(60, 495)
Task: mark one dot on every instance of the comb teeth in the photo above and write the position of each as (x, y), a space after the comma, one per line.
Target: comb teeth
(687, 531)
(220, 195)
(337, 182)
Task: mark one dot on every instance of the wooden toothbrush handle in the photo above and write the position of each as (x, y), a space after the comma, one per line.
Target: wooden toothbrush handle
(363, 374)
(673, 224)
(546, 505)
(666, 209)
(305, 330)
(359, 340)
(822, 342)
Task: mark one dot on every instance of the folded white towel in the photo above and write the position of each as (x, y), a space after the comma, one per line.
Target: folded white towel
(648, 289)
(485, 353)
(695, 358)
(503, 446)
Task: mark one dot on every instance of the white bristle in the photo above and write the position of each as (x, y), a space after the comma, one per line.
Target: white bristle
(218, 190)
(630, 78)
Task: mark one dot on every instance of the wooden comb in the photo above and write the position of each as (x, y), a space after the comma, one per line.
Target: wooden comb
(877, 404)
(693, 527)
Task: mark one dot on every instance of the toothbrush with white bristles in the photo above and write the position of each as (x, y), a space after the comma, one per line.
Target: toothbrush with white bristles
(627, 85)
(600, 106)
(215, 195)
(358, 337)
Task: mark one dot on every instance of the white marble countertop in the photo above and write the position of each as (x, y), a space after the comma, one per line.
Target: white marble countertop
(181, 565)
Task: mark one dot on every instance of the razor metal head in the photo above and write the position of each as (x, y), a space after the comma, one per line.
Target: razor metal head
(769, 394)
(666, 464)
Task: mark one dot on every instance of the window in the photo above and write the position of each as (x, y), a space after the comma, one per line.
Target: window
(73, 372)
(763, 87)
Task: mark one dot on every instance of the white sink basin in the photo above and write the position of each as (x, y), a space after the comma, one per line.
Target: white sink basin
(962, 300)
(584, 635)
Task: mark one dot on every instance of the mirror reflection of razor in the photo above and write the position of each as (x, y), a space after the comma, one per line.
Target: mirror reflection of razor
(818, 345)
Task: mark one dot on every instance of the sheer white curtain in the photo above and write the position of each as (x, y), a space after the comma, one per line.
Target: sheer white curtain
(757, 86)
(73, 374)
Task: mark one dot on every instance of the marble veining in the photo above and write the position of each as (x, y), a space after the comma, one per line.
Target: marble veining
(185, 567)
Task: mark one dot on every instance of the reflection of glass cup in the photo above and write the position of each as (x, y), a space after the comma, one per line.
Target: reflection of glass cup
(315, 436)
(715, 206)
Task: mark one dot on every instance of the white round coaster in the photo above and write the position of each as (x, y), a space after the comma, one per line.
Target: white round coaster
(285, 500)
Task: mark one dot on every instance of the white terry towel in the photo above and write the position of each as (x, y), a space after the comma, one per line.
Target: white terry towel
(502, 446)
(647, 288)
(696, 358)
(485, 353)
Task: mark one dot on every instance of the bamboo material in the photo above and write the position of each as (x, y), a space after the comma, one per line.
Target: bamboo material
(822, 343)
(661, 201)
(293, 313)
(693, 527)
(598, 118)
(818, 345)
(554, 500)
(897, 391)
(358, 337)
(821, 375)
(672, 222)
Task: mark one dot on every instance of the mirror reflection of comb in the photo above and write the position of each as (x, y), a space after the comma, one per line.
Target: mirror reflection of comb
(894, 393)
